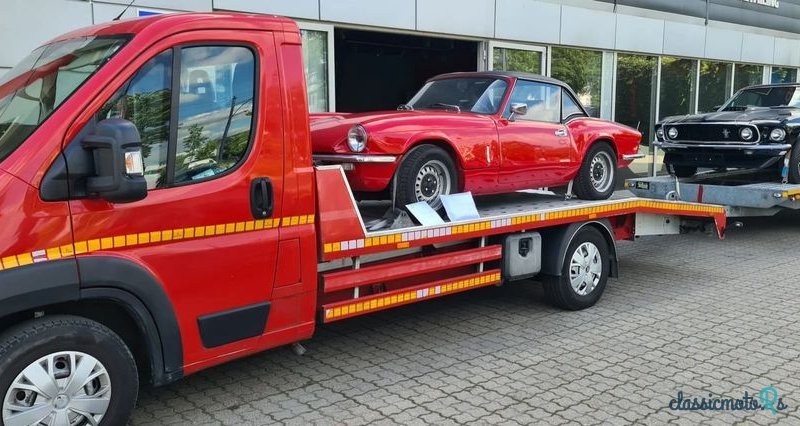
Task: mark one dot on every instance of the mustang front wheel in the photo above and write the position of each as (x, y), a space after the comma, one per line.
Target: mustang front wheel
(597, 175)
(426, 173)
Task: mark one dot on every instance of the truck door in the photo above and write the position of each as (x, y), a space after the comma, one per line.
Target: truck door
(207, 107)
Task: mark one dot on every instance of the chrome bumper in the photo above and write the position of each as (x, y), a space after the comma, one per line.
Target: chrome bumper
(354, 158)
(629, 157)
(738, 147)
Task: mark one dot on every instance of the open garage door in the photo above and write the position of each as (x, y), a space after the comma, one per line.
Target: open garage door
(379, 71)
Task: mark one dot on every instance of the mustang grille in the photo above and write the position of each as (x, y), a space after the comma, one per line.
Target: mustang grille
(719, 133)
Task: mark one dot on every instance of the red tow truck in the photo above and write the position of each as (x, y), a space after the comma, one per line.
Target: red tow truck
(161, 214)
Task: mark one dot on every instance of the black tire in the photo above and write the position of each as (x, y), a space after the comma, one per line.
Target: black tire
(559, 290)
(409, 170)
(23, 345)
(583, 186)
(681, 171)
(794, 164)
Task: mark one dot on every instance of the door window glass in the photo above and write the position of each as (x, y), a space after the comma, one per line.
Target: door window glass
(215, 110)
(543, 101)
(569, 107)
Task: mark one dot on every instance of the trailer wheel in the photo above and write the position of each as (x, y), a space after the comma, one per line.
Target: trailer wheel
(65, 370)
(597, 176)
(426, 172)
(584, 272)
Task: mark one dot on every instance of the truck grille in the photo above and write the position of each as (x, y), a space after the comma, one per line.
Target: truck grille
(719, 133)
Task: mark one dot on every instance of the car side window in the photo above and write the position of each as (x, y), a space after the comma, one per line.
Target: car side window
(569, 107)
(214, 112)
(543, 101)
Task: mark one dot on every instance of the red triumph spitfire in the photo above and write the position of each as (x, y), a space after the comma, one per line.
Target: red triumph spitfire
(484, 132)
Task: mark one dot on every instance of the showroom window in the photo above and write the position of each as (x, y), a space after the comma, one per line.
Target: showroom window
(715, 85)
(678, 86)
(635, 100)
(315, 60)
(783, 75)
(520, 58)
(747, 75)
(582, 70)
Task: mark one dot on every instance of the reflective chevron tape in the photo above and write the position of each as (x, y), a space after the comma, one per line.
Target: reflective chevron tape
(148, 238)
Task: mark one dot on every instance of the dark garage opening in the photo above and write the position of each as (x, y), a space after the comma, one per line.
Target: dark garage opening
(379, 71)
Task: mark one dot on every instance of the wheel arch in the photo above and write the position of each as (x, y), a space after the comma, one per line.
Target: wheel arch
(603, 139)
(440, 142)
(556, 241)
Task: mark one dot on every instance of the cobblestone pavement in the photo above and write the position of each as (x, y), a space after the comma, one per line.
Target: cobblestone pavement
(689, 313)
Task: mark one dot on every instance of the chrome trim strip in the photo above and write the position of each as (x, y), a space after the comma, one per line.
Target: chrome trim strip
(354, 158)
(718, 123)
(774, 147)
(633, 156)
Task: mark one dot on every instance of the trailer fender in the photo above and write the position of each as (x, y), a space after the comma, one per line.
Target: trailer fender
(112, 277)
(555, 242)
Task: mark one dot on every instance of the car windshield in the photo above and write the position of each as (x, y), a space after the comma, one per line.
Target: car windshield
(40, 83)
(481, 95)
(784, 96)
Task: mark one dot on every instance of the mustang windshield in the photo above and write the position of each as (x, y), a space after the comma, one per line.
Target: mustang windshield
(482, 95)
(40, 83)
(782, 96)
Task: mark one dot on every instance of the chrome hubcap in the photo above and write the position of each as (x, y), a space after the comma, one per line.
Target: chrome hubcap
(60, 389)
(585, 269)
(432, 180)
(601, 172)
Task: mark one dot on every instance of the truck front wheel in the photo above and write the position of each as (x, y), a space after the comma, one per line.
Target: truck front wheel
(584, 272)
(65, 370)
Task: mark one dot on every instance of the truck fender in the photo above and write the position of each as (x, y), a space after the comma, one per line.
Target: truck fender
(113, 277)
(39, 284)
(555, 242)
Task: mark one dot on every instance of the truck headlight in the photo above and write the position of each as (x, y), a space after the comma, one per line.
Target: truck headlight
(357, 138)
(777, 135)
(672, 132)
(746, 133)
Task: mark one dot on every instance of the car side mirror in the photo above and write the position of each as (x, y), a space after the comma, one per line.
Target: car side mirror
(116, 149)
(517, 109)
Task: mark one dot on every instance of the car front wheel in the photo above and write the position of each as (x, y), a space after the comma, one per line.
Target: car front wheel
(426, 173)
(65, 370)
(597, 175)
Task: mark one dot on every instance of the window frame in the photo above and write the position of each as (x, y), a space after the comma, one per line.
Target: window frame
(510, 93)
(582, 113)
(172, 145)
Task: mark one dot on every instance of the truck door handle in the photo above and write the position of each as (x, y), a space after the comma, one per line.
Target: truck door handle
(561, 133)
(261, 198)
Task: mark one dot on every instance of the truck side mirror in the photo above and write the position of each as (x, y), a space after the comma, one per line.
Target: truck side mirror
(517, 109)
(117, 153)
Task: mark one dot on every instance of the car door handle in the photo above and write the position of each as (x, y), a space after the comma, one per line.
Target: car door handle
(561, 133)
(261, 198)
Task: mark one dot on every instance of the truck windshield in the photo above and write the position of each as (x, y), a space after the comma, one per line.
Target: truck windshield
(482, 95)
(40, 83)
(782, 96)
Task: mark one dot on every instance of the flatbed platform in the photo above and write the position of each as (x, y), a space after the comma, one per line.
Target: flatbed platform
(739, 197)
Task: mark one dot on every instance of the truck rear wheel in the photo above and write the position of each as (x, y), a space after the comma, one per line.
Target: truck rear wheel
(584, 272)
(65, 370)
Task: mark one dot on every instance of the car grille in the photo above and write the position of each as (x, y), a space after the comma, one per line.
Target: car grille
(719, 133)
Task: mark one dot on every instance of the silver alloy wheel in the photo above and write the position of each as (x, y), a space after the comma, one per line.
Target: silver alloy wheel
(432, 180)
(585, 268)
(60, 389)
(601, 171)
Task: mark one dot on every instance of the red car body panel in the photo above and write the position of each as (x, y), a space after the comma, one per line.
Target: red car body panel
(493, 154)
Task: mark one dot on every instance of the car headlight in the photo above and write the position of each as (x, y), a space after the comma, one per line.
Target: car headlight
(357, 138)
(672, 132)
(660, 133)
(746, 133)
(777, 135)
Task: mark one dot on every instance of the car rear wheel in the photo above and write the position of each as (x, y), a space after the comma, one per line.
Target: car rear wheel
(65, 370)
(597, 175)
(681, 171)
(584, 273)
(426, 173)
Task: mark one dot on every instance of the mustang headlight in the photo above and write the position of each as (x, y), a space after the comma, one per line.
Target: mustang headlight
(660, 133)
(777, 135)
(357, 138)
(672, 132)
(746, 133)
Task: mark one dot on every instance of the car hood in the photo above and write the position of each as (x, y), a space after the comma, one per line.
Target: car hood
(329, 130)
(750, 114)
